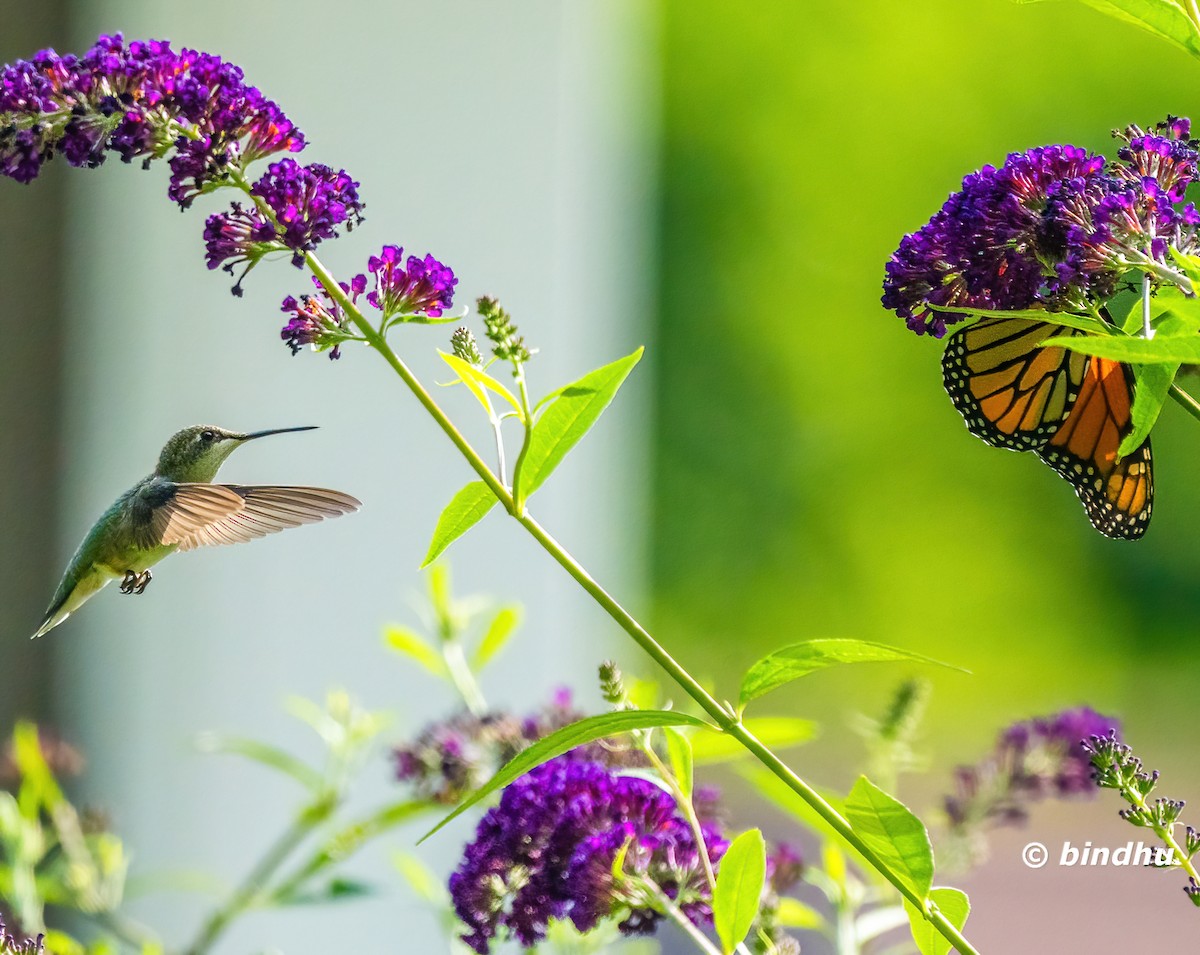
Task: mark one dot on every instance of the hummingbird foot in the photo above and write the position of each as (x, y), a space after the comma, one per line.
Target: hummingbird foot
(130, 581)
(143, 581)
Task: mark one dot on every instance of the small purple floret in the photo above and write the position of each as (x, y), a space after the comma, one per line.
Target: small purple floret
(309, 202)
(416, 287)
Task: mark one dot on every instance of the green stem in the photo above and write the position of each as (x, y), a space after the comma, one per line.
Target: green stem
(254, 886)
(727, 720)
(677, 915)
(1186, 401)
(461, 676)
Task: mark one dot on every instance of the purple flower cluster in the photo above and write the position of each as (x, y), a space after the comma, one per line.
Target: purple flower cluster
(416, 287)
(306, 203)
(1032, 759)
(318, 320)
(449, 759)
(1052, 228)
(138, 100)
(547, 852)
(146, 100)
(405, 291)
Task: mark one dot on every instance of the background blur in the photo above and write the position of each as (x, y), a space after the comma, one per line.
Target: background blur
(720, 185)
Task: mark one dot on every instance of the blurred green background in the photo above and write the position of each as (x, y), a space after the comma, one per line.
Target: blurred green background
(811, 476)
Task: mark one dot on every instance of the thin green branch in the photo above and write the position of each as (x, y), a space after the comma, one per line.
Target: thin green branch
(725, 718)
(1186, 401)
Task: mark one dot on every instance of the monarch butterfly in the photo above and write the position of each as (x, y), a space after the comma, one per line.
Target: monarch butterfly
(1073, 410)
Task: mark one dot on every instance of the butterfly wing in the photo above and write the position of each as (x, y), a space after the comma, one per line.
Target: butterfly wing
(1117, 492)
(1072, 409)
(1011, 393)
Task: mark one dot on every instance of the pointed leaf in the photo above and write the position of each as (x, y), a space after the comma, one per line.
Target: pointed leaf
(421, 878)
(897, 836)
(954, 904)
(1066, 319)
(1152, 383)
(410, 643)
(793, 913)
(466, 509)
(775, 732)
(1166, 19)
(567, 419)
(800, 659)
(875, 922)
(503, 625)
(679, 753)
(739, 888)
(479, 381)
(587, 730)
(1161, 349)
(263, 753)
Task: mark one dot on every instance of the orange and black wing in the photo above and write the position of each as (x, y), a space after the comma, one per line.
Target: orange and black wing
(1012, 393)
(1073, 410)
(1117, 492)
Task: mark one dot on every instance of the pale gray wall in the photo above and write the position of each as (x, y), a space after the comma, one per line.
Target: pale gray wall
(512, 141)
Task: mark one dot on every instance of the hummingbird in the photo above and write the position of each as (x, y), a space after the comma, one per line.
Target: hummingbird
(177, 507)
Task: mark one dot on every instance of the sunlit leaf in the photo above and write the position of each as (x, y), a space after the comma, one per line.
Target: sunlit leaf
(582, 731)
(567, 419)
(679, 753)
(739, 888)
(501, 627)
(800, 659)
(1161, 349)
(1066, 319)
(793, 913)
(479, 381)
(466, 509)
(953, 904)
(411, 644)
(891, 830)
(1165, 19)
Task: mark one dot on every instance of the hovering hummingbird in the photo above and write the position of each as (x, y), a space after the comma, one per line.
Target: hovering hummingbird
(179, 508)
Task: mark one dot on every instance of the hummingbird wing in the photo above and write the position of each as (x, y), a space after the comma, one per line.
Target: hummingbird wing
(236, 513)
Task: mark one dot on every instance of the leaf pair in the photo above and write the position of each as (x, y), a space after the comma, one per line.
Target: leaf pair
(568, 415)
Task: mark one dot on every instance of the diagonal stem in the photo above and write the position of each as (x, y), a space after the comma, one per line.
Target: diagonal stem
(724, 717)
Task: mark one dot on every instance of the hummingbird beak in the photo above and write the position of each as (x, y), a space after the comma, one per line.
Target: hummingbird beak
(262, 434)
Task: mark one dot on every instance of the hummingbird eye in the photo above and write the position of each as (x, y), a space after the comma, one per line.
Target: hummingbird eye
(208, 436)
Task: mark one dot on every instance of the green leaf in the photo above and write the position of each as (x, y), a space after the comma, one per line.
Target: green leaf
(679, 753)
(953, 904)
(410, 643)
(776, 791)
(503, 625)
(776, 732)
(466, 509)
(587, 730)
(1152, 383)
(335, 890)
(421, 878)
(1084, 323)
(263, 753)
(479, 382)
(1161, 349)
(1165, 19)
(800, 659)
(793, 913)
(739, 888)
(890, 829)
(567, 419)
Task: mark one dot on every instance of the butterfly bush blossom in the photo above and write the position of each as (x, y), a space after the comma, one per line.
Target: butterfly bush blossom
(547, 851)
(1032, 759)
(145, 100)
(1054, 227)
(10, 945)
(420, 288)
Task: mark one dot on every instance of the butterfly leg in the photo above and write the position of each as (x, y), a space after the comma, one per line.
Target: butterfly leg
(129, 582)
(142, 581)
